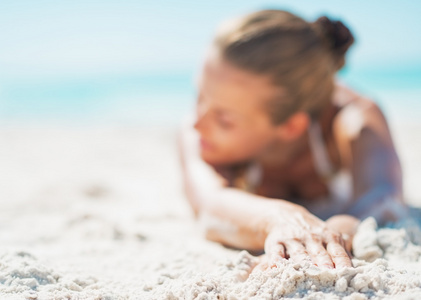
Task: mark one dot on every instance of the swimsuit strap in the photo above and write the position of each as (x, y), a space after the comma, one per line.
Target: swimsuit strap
(252, 177)
(319, 151)
(339, 182)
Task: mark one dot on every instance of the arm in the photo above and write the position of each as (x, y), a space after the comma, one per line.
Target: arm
(239, 219)
(367, 149)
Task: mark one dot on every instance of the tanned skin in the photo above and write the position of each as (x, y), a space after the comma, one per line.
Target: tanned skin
(231, 128)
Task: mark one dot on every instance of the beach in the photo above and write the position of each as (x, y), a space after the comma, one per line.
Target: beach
(92, 94)
(99, 213)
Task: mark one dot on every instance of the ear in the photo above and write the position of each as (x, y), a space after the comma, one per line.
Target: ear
(294, 127)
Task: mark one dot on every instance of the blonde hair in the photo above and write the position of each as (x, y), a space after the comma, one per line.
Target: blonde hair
(300, 57)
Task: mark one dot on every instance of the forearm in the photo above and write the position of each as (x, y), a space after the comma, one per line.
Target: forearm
(383, 202)
(229, 216)
(243, 220)
(239, 219)
(283, 229)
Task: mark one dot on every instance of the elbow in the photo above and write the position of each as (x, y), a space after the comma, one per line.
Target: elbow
(383, 203)
(193, 204)
(211, 234)
(208, 225)
(215, 229)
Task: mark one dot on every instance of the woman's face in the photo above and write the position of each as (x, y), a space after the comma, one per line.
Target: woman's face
(231, 118)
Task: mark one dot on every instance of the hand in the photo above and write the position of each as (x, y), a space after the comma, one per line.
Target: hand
(301, 236)
(345, 224)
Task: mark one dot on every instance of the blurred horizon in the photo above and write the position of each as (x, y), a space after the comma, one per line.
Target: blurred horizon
(134, 61)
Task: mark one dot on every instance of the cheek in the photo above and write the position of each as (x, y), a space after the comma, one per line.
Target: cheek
(240, 146)
(251, 144)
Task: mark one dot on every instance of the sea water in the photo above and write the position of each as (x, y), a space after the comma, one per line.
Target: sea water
(165, 98)
(133, 99)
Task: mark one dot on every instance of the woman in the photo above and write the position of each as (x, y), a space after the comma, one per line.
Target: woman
(280, 157)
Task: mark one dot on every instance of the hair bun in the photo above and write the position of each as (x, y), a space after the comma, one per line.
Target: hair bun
(339, 36)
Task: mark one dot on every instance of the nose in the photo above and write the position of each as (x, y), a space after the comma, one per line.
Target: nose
(201, 113)
(198, 124)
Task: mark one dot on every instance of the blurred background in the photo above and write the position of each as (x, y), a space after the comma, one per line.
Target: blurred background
(132, 62)
(91, 94)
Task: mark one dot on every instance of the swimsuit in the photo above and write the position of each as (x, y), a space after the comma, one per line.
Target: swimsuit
(339, 183)
(377, 202)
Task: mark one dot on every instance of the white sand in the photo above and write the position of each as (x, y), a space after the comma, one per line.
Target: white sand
(100, 214)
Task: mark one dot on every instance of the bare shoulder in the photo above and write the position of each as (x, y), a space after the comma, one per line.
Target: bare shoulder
(358, 113)
(358, 120)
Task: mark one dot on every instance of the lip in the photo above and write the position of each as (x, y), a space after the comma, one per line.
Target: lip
(205, 145)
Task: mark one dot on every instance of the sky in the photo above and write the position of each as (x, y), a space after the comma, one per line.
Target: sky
(131, 60)
(50, 39)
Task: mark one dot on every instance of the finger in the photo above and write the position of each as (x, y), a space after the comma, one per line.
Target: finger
(275, 252)
(296, 251)
(339, 255)
(262, 265)
(347, 243)
(319, 255)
